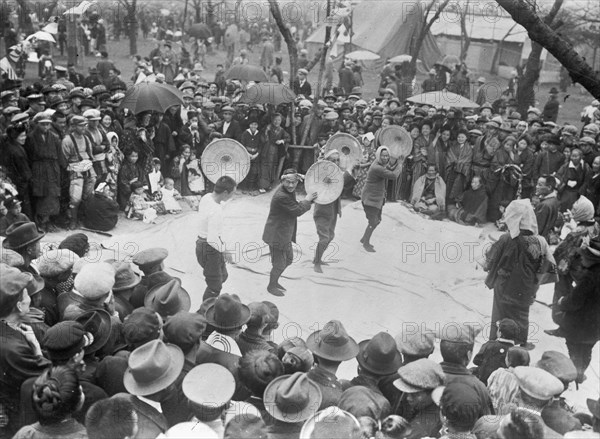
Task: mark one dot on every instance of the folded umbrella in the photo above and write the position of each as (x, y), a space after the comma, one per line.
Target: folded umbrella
(151, 96)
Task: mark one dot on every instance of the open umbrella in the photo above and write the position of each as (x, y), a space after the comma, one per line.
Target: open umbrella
(450, 61)
(268, 93)
(200, 30)
(401, 58)
(247, 72)
(443, 99)
(42, 36)
(362, 55)
(151, 96)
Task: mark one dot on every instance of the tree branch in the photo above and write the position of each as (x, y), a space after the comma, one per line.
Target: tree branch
(543, 34)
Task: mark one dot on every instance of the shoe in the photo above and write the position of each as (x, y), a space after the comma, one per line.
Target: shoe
(318, 268)
(369, 248)
(262, 191)
(272, 289)
(554, 332)
(362, 240)
(280, 287)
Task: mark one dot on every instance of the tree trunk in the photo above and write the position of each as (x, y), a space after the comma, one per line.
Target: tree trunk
(198, 10)
(425, 27)
(25, 24)
(465, 38)
(287, 36)
(133, 28)
(72, 39)
(543, 33)
(528, 78)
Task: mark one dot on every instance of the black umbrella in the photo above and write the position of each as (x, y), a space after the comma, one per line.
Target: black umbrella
(200, 30)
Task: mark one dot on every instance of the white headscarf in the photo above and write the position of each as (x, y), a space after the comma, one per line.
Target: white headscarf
(519, 216)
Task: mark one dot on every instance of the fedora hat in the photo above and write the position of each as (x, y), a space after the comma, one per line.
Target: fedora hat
(379, 355)
(292, 398)
(209, 384)
(331, 423)
(125, 277)
(333, 342)
(227, 313)
(168, 299)
(98, 323)
(152, 367)
(21, 234)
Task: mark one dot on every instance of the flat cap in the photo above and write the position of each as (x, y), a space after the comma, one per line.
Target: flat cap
(420, 375)
(150, 257)
(538, 383)
(558, 365)
(55, 262)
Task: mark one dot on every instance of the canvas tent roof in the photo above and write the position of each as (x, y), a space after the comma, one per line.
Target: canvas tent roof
(388, 28)
(482, 27)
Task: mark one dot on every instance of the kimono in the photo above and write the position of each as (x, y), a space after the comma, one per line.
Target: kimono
(483, 154)
(129, 171)
(186, 177)
(363, 170)
(168, 66)
(419, 159)
(502, 186)
(572, 178)
(270, 155)
(458, 170)
(251, 142)
(436, 155)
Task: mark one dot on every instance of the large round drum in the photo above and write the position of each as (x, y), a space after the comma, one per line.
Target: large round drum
(397, 139)
(326, 179)
(225, 157)
(349, 148)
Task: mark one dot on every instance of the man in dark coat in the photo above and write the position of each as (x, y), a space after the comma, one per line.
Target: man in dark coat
(581, 306)
(151, 263)
(100, 211)
(300, 85)
(346, 79)
(546, 212)
(230, 128)
(551, 108)
(282, 222)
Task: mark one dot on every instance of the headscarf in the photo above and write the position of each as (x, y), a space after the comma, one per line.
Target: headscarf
(110, 135)
(582, 210)
(378, 153)
(519, 216)
(330, 153)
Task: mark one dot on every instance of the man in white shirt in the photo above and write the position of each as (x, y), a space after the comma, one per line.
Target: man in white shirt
(210, 247)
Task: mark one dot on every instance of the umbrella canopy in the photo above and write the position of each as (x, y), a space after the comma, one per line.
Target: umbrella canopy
(151, 96)
(247, 72)
(268, 93)
(362, 55)
(79, 9)
(443, 99)
(200, 30)
(42, 36)
(51, 28)
(401, 58)
(450, 61)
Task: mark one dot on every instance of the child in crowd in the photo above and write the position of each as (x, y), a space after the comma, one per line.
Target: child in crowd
(195, 177)
(155, 178)
(114, 160)
(492, 354)
(140, 204)
(170, 195)
(13, 214)
(503, 385)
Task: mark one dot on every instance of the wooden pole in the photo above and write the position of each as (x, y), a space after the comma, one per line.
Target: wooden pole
(72, 45)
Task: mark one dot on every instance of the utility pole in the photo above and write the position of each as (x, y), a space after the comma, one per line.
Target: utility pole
(72, 55)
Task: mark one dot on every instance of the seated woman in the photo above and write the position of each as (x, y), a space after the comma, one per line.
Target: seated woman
(429, 193)
(101, 211)
(57, 395)
(472, 208)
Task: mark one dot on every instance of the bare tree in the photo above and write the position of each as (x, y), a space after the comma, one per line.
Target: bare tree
(544, 34)
(132, 23)
(425, 27)
(197, 10)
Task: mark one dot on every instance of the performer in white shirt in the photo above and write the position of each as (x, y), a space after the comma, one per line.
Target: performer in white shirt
(211, 250)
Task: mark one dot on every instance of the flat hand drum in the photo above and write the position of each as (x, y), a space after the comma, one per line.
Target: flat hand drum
(397, 139)
(349, 148)
(225, 157)
(326, 179)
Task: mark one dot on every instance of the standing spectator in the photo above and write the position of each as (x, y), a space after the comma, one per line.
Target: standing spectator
(266, 57)
(546, 211)
(45, 153)
(346, 78)
(277, 71)
(16, 162)
(300, 85)
(551, 108)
